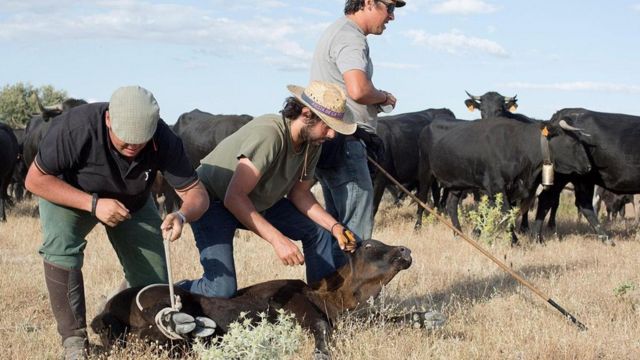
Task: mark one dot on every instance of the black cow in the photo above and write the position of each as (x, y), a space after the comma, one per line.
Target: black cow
(493, 105)
(502, 156)
(38, 125)
(8, 157)
(611, 142)
(20, 170)
(399, 134)
(428, 137)
(200, 132)
(614, 204)
(315, 307)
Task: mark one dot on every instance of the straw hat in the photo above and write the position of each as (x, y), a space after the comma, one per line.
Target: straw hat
(329, 102)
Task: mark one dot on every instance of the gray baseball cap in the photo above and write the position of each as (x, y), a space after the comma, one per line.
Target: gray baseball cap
(134, 114)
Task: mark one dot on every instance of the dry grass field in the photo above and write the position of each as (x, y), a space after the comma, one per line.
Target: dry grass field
(491, 316)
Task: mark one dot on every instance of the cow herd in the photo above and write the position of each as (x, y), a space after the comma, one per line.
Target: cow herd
(442, 157)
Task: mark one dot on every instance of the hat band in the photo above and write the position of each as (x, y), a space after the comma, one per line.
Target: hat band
(322, 109)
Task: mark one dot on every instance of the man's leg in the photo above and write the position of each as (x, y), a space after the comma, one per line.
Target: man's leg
(351, 191)
(64, 230)
(138, 245)
(214, 233)
(316, 241)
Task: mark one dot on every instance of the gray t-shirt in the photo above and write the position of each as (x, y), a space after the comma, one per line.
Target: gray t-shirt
(266, 141)
(343, 47)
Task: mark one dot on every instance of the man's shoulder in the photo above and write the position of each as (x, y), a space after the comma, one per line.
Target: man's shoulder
(345, 27)
(270, 125)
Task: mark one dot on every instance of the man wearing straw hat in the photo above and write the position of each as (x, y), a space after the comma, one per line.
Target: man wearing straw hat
(342, 56)
(96, 164)
(260, 179)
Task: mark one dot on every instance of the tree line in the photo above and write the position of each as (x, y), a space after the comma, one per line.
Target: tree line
(19, 101)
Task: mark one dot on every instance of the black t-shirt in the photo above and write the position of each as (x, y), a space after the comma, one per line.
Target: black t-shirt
(77, 149)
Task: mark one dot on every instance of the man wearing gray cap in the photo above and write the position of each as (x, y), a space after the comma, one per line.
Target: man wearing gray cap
(97, 163)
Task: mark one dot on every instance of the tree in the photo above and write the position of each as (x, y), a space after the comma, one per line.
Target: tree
(18, 102)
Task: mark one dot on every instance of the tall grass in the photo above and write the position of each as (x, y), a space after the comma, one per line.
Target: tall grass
(490, 315)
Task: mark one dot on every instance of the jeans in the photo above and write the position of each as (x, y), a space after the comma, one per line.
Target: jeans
(214, 233)
(348, 194)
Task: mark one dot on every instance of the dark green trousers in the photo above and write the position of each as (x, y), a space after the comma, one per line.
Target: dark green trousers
(137, 241)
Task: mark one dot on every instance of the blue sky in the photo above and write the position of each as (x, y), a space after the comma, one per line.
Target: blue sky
(238, 56)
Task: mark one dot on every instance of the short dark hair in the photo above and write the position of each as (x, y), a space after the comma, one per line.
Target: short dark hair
(353, 6)
(292, 108)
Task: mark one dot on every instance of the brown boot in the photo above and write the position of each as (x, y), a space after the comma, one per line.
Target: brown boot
(66, 294)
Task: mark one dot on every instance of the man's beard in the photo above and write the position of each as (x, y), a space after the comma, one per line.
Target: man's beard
(305, 135)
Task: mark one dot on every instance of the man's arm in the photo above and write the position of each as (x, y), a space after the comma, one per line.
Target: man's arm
(303, 199)
(55, 190)
(195, 201)
(237, 201)
(361, 89)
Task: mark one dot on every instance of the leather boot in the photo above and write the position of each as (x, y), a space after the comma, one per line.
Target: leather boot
(66, 294)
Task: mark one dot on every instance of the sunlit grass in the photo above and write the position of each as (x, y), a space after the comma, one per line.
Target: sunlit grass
(491, 316)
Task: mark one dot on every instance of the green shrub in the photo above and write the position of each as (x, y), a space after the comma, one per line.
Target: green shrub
(248, 340)
(624, 287)
(490, 221)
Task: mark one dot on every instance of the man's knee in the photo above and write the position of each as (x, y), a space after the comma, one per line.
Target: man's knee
(222, 288)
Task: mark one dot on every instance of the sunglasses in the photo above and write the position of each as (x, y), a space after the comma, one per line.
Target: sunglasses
(390, 7)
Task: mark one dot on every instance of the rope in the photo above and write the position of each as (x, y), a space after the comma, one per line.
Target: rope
(163, 317)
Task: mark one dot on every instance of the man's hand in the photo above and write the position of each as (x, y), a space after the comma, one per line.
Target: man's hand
(390, 100)
(288, 252)
(172, 224)
(346, 238)
(111, 212)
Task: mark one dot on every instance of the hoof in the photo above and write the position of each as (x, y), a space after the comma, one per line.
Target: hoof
(204, 327)
(429, 320)
(182, 323)
(320, 355)
(607, 240)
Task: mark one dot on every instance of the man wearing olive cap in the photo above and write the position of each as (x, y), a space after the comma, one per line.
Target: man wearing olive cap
(96, 164)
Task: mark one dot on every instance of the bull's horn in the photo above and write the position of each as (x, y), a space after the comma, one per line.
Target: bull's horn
(476, 98)
(508, 99)
(56, 107)
(47, 109)
(42, 109)
(563, 124)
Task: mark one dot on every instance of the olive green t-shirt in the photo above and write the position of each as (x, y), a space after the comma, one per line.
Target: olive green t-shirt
(266, 141)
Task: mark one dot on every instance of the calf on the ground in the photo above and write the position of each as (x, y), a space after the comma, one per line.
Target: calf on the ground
(315, 307)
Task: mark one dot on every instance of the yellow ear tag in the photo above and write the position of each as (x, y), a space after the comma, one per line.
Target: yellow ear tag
(545, 132)
(470, 108)
(513, 108)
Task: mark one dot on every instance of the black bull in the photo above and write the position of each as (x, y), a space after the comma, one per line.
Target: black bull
(9, 152)
(501, 157)
(201, 132)
(316, 308)
(611, 142)
(399, 133)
